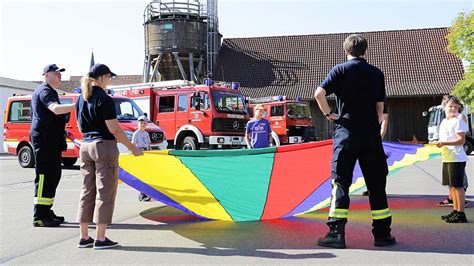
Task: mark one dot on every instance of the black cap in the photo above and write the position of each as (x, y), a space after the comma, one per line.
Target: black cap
(52, 68)
(98, 70)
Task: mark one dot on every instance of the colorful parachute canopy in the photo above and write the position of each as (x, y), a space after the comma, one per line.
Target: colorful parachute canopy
(249, 185)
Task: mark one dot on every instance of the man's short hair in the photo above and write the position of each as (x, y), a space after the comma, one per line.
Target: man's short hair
(355, 45)
(259, 106)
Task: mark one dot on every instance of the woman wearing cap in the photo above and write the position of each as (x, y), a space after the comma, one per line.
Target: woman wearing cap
(99, 155)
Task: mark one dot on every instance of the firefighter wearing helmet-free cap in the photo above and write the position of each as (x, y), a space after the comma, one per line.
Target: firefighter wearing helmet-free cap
(360, 94)
(47, 137)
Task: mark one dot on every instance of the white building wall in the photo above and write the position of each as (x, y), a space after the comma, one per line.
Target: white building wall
(6, 92)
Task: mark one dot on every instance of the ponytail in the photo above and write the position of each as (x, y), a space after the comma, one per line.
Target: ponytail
(86, 87)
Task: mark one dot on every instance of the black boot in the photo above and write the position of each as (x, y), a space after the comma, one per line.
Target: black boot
(384, 241)
(335, 238)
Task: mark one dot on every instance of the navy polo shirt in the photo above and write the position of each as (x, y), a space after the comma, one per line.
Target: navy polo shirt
(358, 86)
(44, 121)
(91, 115)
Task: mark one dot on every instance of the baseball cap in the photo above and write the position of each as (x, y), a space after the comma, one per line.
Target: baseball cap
(142, 118)
(98, 70)
(52, 68)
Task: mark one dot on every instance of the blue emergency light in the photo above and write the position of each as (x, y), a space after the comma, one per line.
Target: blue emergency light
(208, 82)
(77, 90)
(235, 85)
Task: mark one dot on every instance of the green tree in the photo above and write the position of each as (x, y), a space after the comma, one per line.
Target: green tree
(461, 44)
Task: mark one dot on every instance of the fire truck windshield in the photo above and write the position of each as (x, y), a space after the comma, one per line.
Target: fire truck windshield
(298, 110)
(127, 109)
(227, 102)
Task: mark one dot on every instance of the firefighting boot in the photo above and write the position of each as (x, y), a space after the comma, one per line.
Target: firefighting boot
(335, 238)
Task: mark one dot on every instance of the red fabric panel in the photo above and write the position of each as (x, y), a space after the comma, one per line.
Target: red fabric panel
(297, 171)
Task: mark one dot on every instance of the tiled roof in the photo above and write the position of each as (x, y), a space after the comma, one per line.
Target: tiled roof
(415, 62)
(18, 84)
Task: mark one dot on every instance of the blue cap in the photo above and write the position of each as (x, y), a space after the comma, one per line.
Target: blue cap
(98, 70)
(52, 68)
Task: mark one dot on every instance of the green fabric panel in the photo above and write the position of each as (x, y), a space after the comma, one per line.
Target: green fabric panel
(219, 153)
(239, 183)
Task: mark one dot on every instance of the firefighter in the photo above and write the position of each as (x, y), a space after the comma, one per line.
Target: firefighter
(48, 140)
(360, 96)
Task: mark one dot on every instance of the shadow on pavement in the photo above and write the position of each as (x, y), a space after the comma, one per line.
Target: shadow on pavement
(416, 225)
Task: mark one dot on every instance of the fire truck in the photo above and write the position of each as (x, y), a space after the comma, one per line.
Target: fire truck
(17, 126)
(290, 119)
(213, 115)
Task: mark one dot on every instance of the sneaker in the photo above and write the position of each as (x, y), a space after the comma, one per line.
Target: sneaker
(55, 217)
(143, 197)
(451, 214)
(46, 222)
(86, 243)
(445, 203)
(459, 217)
(107, 243)
(385, 241)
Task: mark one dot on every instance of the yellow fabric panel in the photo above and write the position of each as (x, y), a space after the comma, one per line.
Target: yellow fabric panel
(422, 154)
(174, 180)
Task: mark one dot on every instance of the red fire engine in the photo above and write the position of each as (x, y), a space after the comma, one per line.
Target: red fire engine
(290, 119)
(17, 126)
(193, 116)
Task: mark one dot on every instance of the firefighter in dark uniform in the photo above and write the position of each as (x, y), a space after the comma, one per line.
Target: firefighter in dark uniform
(360, 94)
(47, 137)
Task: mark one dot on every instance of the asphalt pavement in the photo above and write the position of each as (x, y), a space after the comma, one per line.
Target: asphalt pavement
(151, 233)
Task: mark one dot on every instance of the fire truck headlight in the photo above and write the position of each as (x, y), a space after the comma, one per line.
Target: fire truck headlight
(220, 140)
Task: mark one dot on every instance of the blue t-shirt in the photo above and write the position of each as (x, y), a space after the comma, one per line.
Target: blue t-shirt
(358, 86)
(259, 131)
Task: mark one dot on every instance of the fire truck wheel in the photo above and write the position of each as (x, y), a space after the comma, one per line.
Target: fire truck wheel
(68, 161)
(190, 143)
(26, 157)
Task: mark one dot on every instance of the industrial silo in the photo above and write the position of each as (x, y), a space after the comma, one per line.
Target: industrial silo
(176, 39)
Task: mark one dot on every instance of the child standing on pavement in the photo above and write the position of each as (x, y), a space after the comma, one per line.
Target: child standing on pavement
(141, 139)
(258, 131)
(452, 134)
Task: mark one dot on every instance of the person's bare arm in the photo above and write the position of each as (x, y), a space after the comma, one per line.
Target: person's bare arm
(114, 128)
(320, 96)
(460, 139)
(60, 109)
(379, 108)
(247, 140)
(384, 125)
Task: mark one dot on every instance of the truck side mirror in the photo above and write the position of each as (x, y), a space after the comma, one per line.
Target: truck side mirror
(425, 113)
(145, 114)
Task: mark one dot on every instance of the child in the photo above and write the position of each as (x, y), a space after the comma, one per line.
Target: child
(452, 134)
(141, 139)
(258, 132)
(448, 202)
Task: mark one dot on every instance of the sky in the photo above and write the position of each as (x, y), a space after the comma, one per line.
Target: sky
(36, 33)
